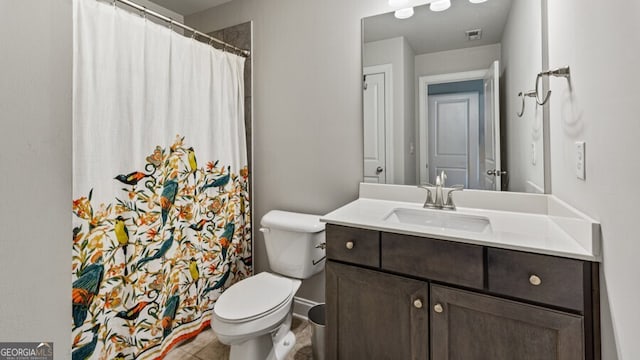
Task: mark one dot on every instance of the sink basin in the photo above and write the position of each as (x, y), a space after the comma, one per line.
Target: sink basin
(439, 219)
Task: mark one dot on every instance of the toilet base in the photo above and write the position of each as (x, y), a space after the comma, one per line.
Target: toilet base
(274, 345)
(255, 348)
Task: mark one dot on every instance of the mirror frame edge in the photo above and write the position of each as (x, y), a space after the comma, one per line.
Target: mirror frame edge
(546, 113)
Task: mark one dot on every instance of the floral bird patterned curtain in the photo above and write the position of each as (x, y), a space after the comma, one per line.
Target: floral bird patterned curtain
(161, 222)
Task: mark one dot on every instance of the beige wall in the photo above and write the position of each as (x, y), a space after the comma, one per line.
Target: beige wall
(159, 9)
(35, 172)
(599, 40)
(307, 104)
(410, 145)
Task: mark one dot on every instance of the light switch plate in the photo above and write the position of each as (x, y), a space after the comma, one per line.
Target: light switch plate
(580, 160)
(533, 154)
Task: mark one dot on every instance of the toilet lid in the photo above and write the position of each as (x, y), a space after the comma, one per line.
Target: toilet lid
(253, 296)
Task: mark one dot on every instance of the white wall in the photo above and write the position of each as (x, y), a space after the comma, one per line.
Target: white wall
(398, 53)
(35, 172)
(459, 60)
(599, 40)
(521, 62)
(307, 104)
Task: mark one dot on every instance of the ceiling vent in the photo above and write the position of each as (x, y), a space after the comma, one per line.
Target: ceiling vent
(475, 34)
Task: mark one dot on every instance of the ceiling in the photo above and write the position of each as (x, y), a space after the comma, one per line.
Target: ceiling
(429, 31)
(188, 7)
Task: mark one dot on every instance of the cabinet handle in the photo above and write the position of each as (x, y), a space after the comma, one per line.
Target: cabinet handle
(438, 308)
(535, 280)
(349, 245)
(417, 303)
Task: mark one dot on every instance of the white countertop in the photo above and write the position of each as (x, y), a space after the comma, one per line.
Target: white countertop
(560, 231)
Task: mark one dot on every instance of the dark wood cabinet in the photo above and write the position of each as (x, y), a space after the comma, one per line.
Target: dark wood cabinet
(466, 325)
(373, 315)
(355, 246)
(392, 296)
(432, 259)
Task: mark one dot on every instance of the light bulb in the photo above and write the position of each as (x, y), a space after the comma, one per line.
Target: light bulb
(477, 1)
(398, 3)
(404, 13)
(440, 5)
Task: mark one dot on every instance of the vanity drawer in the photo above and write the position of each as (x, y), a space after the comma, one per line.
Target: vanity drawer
(540, 278)
(439, 260)
(356, 246)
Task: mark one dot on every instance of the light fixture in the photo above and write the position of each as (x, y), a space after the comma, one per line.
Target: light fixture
(440, 5)
(404, 13)
(477, 1)
(398, 3)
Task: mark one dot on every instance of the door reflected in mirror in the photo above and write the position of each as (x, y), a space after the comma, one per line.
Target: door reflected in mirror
(440, 93)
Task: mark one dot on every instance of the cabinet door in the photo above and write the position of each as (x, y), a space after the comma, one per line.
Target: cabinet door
(372, 315)
(466, 325)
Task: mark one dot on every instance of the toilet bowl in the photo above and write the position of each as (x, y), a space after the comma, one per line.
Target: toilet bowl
(254, 315)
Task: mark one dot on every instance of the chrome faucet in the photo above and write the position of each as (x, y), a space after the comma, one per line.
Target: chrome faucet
(443, 196)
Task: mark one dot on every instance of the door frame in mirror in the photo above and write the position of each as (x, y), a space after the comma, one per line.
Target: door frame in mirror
(387, 70)
(423, 115)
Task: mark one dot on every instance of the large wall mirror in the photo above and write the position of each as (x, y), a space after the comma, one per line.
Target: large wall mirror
(441, 93)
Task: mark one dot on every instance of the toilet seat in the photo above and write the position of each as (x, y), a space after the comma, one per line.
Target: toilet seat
(254, 297)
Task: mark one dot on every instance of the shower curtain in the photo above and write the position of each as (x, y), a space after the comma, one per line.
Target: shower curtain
(161, 218)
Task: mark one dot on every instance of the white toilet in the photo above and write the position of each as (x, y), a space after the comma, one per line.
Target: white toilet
(254, 315)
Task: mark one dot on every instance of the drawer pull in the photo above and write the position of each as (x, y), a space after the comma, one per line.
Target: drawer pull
(417, 303)
(535, 280)
(349, 245)
(438, 308)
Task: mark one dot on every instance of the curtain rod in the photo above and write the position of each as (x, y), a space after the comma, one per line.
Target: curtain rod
(171, 22)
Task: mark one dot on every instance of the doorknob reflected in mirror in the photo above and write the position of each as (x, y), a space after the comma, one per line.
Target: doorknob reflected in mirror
(495, 172)
(379, 170)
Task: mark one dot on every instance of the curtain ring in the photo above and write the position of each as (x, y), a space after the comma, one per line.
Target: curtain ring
(193, 35)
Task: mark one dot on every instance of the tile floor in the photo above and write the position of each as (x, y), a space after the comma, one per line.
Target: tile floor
(205, 346)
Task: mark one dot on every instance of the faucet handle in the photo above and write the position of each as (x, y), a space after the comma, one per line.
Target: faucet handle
(429, 201)
(449, 202)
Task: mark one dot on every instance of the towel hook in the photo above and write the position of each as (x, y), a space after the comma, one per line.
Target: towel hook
(530, 93)
(559, 72)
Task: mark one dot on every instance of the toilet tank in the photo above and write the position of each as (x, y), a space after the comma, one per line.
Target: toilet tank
(293, 242)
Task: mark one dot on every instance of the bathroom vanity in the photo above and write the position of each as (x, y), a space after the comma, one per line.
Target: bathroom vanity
(407, 283)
